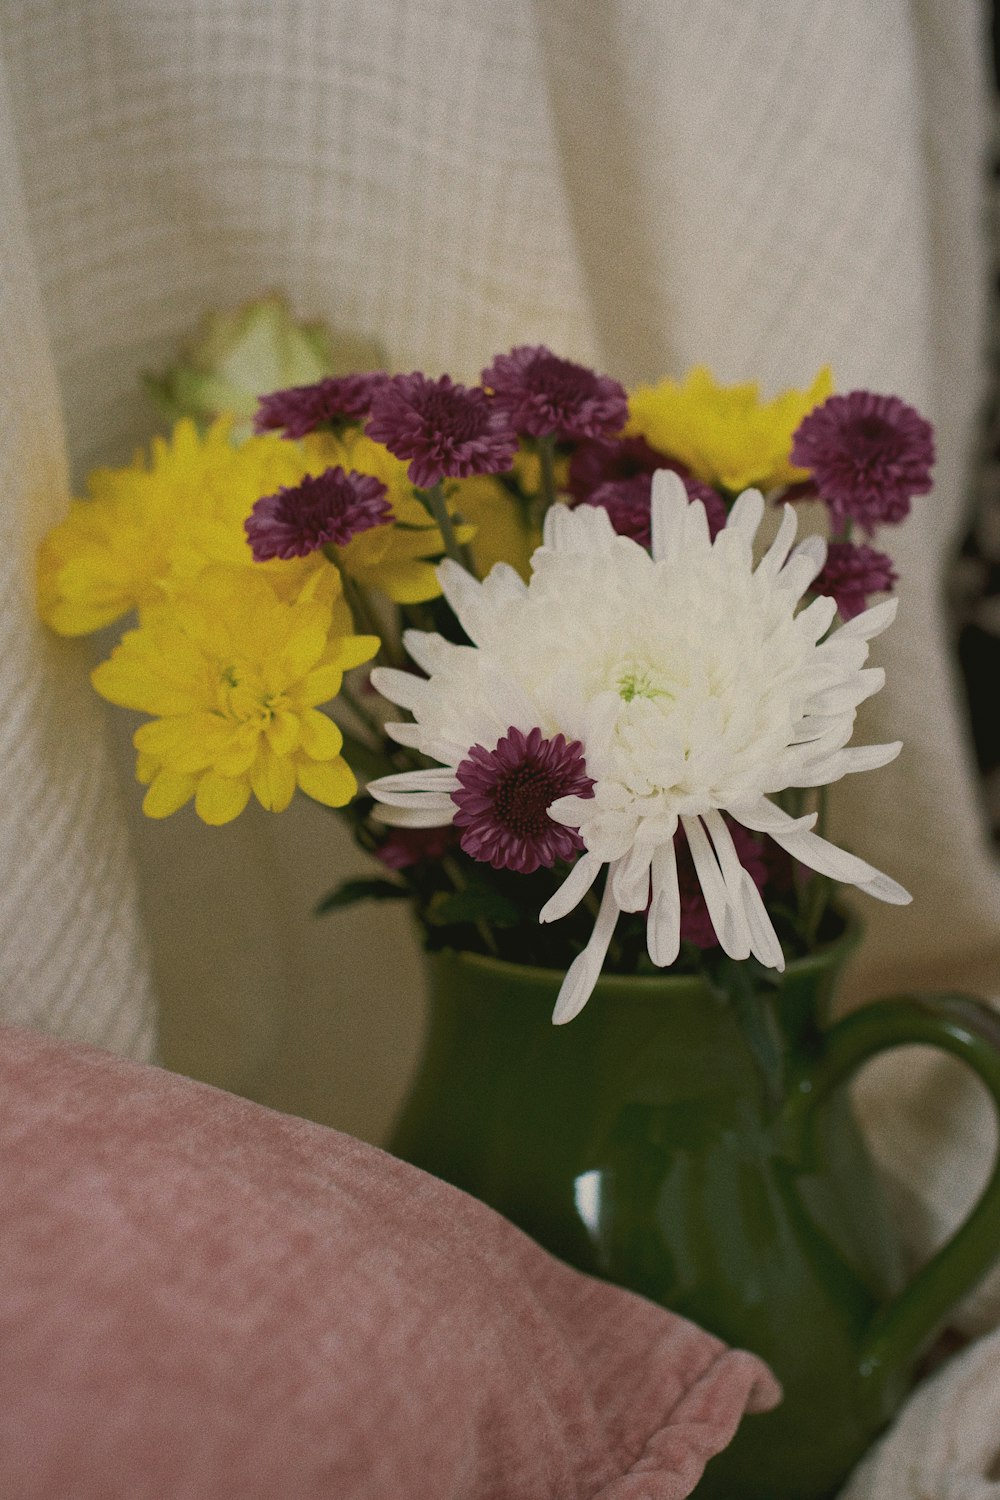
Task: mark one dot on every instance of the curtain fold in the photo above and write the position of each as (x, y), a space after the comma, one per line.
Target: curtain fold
(73, 957)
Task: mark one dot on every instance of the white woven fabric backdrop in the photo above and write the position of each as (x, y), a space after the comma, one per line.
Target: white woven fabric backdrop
(646, 184)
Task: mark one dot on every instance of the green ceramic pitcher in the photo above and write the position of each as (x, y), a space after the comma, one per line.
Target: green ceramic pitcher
(656, 1141)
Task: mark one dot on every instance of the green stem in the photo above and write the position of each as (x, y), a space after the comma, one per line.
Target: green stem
(547, 460)
(458, 880)
(434, 503)
(369, 719)
(547, 496)
(365, 616)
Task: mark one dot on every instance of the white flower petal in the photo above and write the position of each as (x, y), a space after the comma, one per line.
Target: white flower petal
(845, 697)
(585, 970)
(429, 650)
(663, 925)
(848, 762)
(746, 514)
(433, 779)
(763, 816)
(696, 532)
(406, 733)
(815, 620)
(804, 565)
(826, 858)
(413, 817)
(631, 879)
(763, 938)
(587, 528)
(730, 925)
(573, 889)
(403, 688)
(743, 894)
(883, 888)
(504, 584)
(871, 622)
(571, 810)
(865, 758)
(777, 554)
(463, 593)
(667, 508)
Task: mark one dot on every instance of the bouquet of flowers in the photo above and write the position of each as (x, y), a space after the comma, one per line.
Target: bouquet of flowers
(614, 724)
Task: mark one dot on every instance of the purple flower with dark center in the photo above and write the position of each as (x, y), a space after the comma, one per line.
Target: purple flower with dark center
(851, 573)
(868, 455)
(505, 795)
(448, 431)
(627, 502)
(696, 924)
(330, 507)
(331, 402)
(543, 395)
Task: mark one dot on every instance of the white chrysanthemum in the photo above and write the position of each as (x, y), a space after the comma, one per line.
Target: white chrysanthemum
(695, 686)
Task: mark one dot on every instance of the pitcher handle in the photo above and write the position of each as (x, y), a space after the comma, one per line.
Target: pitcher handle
(969, 1030)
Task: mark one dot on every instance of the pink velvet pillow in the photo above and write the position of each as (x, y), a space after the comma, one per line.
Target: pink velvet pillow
(201, 1298)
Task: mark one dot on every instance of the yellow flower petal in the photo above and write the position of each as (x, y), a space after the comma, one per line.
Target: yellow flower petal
(273, 781)
(319, 686)
(236, 757)
(351, 650)
(282, 733)
(220, 799)
(725, 435)
(146, 767)
(331, 782)
(321, 739)
(167, 793)
(404, 583)
(307, 644)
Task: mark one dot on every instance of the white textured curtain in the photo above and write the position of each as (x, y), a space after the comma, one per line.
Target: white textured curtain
(759, 185)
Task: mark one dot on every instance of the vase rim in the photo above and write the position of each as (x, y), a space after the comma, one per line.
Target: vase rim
(829, 953)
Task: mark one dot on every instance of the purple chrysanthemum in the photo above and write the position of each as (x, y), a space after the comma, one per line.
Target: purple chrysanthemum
(505, 795)
(851, 573)
(696, 924)
(328, 507)
(543, 395)
(403, 847)
(868, 455)
(594, 463)
(627, 502)
(331, 402)
(448, 431)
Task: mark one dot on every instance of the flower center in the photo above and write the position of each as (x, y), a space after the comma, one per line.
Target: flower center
(522, 796)
(459, 419)
(638, 682)
(243, 699)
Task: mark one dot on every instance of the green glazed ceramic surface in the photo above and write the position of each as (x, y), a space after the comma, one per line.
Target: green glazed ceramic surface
(648, 1142)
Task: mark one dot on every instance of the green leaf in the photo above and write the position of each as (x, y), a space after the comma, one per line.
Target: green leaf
(351, 891)
(451, 908)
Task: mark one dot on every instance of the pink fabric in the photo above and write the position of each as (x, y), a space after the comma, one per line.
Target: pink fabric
(202, 1299)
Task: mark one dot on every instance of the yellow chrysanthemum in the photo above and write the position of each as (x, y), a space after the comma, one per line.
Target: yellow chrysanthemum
(144, 525)
(391, 558)
(234, 675)
(501, 533)
(725, 435)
